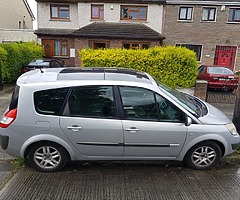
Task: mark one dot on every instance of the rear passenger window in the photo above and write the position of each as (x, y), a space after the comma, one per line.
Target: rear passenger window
(92, 102)
(50, 102)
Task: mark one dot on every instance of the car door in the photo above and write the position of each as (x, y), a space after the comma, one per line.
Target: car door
(90, 123)
(153, 126)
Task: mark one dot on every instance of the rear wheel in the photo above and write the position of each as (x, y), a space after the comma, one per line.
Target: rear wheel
(47, 157)
(203, 156)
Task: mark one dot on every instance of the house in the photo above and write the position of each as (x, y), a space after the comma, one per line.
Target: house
(64, 27)
(16, 21)
(210, 28)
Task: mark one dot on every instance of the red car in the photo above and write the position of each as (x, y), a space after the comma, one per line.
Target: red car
(218, 77)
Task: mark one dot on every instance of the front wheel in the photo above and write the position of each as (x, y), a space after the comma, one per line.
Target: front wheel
(47, 157)
(203, 156)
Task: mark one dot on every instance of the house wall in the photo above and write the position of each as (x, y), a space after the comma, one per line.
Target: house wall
(12, 12)
(80, 15)
(16, 35)
(208, 34)
(44, 21)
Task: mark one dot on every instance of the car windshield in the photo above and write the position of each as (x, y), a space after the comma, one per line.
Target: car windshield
(181, 99)
(219, 70)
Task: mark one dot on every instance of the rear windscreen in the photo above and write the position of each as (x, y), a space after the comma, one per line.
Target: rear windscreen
(50, 102)
(14, 99)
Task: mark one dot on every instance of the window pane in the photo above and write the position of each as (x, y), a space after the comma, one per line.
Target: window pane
(64, 14)
(183, 12)
(205, 15)
(230, 17)
(50, 102)
(126, 46)
(145, 46)
(95, 12)
(138, 104)
(54, 11)
(133, 15)
(57, 47)
(237, 15)
(212, 14)
(189, 14)
(92, 101)
(124, 12)
(64, 51)
(143, 13)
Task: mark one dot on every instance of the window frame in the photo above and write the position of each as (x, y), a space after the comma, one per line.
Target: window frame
(186, 14)
(209, 8)
(138, 43)
(61, 46)
(199, 55)
(99, 6)
(58, 6)
(131, 9)
(233, 15)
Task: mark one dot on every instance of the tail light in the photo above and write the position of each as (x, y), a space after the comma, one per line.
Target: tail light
(8, 118)
(24, 69)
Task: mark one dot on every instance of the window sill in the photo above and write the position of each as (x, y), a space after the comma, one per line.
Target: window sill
(208, 21)
(61, 20)
(66, 57)
(185, 21)
(133, 21)
(232, 22)
(97, 20)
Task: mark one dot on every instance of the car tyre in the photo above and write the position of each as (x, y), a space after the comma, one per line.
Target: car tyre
(47, 157)
(203, 156)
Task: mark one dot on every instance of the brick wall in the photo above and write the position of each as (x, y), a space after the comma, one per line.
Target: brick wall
(208, 34)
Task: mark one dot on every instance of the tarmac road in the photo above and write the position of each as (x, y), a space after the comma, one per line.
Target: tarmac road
(121, 180)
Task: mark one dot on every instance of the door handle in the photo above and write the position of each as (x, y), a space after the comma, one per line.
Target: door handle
(132, 129)
(74, 128)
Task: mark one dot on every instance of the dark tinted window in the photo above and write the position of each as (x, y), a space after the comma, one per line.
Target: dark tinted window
(50, 102)
(14, 100)
(92, 101)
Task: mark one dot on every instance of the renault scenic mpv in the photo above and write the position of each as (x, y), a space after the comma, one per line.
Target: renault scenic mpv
(66, 114)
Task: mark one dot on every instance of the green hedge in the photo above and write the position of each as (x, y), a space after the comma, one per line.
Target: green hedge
(18, 55)
(173, 66)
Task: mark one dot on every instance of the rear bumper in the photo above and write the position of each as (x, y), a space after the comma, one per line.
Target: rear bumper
(223, 85)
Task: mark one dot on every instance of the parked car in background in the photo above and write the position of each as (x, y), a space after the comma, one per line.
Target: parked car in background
(110, 114)
(218, 77)
(43, 63)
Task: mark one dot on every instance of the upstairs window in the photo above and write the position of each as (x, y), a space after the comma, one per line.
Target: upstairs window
(208, 14)
(60, 12)
(234, 15)
(186, 13)
(133, 12)
(97, 12)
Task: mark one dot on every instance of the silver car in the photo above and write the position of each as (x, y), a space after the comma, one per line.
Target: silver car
(65, 114)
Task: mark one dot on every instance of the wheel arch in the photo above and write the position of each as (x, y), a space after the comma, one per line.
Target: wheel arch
(47, 138)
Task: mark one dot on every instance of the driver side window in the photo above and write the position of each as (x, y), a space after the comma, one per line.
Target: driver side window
(168, 111)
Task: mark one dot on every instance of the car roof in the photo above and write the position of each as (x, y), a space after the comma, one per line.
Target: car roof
(78, 73)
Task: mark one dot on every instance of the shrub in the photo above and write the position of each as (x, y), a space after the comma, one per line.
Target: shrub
(18, 55)
(173, 66)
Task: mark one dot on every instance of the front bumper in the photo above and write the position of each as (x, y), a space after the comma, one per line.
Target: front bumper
(235, 146)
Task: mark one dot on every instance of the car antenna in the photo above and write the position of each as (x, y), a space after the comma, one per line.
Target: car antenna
(41, 70)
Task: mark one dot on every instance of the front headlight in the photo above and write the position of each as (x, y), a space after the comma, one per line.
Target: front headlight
(232, 129)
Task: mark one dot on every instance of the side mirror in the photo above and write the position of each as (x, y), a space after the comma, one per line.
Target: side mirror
(188, 121)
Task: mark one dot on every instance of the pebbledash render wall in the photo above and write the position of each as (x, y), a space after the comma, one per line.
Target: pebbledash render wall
(207, 34)
(16, 35)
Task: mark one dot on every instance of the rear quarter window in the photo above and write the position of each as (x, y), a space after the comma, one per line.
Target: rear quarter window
(14, 99)
(50, 102)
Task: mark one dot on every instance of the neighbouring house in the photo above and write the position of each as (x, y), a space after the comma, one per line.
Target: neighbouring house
(210, 28)
(65, 27)
(16, 22)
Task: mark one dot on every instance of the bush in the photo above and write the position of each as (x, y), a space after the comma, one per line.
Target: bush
(18, 55)
(173, 66)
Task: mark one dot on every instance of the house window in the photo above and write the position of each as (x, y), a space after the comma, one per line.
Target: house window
(185, 13)
(208, 14)
(234, 15)
(98, 44)
(133, 45)
(60, 12)
(97, 11)
(60, 48)
(134, 12)
(196, 48)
